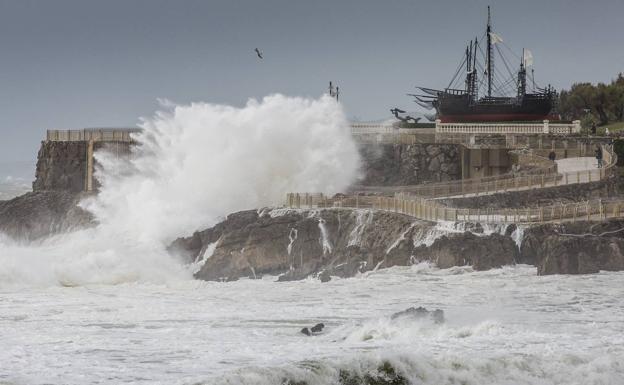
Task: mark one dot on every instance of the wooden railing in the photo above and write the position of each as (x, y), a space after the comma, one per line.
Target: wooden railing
(420, 201)
(429, 210)
(92, 134)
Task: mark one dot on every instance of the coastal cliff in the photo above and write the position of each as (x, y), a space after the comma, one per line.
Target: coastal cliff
(295, 244)
(40, 214)
(61, 166)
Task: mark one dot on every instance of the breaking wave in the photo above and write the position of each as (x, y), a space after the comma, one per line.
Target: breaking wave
(195, 164)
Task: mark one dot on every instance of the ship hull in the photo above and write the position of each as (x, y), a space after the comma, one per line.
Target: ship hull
(458, 109)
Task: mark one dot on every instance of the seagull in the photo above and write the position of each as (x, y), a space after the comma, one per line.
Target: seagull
(258, 53)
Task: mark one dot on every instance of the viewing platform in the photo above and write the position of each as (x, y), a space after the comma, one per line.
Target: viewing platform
(92, 134)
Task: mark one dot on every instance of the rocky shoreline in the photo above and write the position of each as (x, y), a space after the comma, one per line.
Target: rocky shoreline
(324, 243)
(296, 244)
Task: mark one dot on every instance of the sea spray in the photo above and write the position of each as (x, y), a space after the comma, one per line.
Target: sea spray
(193, 165)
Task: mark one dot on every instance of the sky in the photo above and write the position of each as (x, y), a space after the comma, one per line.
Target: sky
(70, 64)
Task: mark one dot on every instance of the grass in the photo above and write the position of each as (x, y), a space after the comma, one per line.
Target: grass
(613, 127)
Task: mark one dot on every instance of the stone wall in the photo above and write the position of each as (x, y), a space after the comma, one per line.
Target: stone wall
(407, 164)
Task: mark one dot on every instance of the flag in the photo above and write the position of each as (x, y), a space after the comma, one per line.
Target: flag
(494, 38)
(528, 58)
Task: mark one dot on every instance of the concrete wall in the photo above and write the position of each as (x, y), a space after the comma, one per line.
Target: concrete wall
(482, 162)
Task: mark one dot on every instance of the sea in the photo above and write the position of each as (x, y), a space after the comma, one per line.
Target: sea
(108, 305)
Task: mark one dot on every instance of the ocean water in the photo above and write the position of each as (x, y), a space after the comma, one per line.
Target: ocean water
(15, 178)
(505, 326)
(108, 305)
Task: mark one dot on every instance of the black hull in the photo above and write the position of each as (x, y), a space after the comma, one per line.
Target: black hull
(459, 108)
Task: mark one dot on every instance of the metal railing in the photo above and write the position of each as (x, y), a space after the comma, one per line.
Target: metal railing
(92, 134)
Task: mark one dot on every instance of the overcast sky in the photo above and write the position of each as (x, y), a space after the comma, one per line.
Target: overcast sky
(82, 63)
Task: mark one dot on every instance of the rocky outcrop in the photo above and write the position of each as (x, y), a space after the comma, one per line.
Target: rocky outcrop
(40, 214)
(295, 244)
(61, 166)
(575, 248)
(403, 164)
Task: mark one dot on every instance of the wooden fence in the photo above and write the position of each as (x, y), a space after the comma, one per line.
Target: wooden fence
(92, 134)
(420, 201)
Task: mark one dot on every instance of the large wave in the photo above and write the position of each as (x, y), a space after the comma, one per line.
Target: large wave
(195, 164)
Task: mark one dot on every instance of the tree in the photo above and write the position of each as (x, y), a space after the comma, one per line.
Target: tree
(605, 102)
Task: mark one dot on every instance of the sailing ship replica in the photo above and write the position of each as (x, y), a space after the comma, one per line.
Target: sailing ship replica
(487, 98)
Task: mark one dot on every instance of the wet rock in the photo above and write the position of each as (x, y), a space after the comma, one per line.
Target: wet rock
(296, 244)
(40, 214)
(324, 276)
(461, 249)
(316, 329)
(420, 312)
(575, 248)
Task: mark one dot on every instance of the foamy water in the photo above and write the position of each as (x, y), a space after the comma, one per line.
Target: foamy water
(505, 326)
(108, 305)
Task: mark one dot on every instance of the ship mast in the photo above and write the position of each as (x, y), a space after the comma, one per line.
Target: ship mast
(522, 78)
(489, 53)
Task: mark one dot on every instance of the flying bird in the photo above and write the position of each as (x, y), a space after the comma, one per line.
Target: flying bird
(258, 53)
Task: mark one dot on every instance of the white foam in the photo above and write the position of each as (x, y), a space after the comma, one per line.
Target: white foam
(195, 164)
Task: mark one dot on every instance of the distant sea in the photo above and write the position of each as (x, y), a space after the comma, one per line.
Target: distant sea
(16, 178)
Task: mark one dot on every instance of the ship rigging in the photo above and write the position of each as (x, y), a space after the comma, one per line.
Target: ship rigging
(487, 92)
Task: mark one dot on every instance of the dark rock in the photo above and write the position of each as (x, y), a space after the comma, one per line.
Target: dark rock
(575, 248)
(289, 244)
(306, 331)
(61, 166)
(317, 328)
(40, 214)
(420, 312)
(481, 252)
(324, 276)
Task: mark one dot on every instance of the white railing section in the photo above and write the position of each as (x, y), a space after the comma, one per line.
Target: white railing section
(508, 128)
